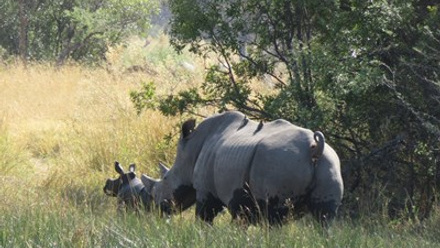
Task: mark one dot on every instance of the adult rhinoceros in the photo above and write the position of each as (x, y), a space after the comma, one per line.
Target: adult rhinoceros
(252, 169)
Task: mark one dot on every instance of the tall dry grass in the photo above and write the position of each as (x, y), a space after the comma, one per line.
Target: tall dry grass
(62, 128)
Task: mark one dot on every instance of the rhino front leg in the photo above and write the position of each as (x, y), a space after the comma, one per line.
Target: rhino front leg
(121, 206)
(207, 207)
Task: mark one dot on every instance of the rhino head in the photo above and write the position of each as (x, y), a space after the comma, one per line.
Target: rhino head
(174, 191)
(129, 190)
(112, 186)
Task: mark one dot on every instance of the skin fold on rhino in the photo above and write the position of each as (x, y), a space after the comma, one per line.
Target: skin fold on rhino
(256, 170)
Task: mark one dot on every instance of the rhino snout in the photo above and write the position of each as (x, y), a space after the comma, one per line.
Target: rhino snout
(166, 207)
(110, 188)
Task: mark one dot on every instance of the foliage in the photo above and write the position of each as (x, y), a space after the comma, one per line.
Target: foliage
(59, 139)
(366, 73)
(80, 29)
(144, 98)
(389, 104)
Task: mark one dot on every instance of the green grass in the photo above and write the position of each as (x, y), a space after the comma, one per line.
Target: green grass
(61, 130)
(94, 224)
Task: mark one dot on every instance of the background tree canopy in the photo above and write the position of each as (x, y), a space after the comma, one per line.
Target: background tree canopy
(364, 72)
(77, 29)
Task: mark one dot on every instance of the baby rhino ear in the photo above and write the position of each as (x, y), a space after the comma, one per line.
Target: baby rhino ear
(118, 168)
(148, 182)
(132, 167)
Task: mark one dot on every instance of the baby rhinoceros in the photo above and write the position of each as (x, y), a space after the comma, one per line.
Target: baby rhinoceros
(129, 189)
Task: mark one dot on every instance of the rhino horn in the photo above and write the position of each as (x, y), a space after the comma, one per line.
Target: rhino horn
(148, 182)
(188, 127)
(132, 167)
(118, 168)
(163, 169)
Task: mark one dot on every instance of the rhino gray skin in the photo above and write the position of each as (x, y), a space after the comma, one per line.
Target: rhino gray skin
(129, 190)
(251, 168)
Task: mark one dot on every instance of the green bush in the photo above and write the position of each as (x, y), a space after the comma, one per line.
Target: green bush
(366, 74)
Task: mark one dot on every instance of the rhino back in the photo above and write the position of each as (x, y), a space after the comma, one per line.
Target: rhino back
(282, 164)
(224, 163)
(224, 155)
(195, 154)
(233, 158)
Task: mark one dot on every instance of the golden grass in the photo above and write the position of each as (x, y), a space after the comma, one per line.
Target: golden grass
(61, 129)
(71, 123)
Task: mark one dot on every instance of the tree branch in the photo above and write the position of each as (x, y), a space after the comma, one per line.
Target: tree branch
(70, 48)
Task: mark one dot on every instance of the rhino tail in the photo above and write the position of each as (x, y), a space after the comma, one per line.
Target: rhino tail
(317, 148)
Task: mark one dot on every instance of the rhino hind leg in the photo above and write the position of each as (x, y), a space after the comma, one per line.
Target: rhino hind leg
(243, 206)
(272, 211)
(209, 208)
(324, 211)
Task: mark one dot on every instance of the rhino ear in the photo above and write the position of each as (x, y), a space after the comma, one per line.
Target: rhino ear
(188, 127)
(132, 167)
(118, 168)
(163, 169)
(148, 182)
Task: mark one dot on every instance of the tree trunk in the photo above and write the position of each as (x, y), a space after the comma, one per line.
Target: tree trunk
(70, 48)
(23, 36)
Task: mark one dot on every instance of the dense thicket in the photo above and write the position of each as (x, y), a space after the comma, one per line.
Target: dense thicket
(364, 72)
(76, 29)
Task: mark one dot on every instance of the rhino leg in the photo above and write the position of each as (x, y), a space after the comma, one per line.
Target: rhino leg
(324, 211)
(278, 211)
(131, 203)
(146, 200)
(208, 208)
(274, 212)
(300, 206)
(244, 206)
(121, 206)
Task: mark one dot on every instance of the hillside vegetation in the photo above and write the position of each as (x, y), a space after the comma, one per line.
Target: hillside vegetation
(61, 130)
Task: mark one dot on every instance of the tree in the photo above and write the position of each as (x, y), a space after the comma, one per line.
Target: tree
(22, 41)
(389, 88)
(80, 29)
(278, 34)
(364, 72)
